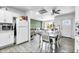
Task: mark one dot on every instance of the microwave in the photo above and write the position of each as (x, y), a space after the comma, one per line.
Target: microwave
(6, 26)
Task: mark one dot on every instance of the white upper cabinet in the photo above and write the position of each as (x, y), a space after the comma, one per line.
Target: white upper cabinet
(5, 16)
(1, 16)
(8, 17)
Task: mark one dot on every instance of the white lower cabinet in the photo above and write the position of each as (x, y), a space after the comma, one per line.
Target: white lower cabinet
(11, 37)
(6, 39)
(3, 39)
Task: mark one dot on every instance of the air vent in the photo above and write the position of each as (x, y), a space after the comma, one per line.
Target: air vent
(43, 11)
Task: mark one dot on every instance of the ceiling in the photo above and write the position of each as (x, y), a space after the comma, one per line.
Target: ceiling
(64, 9)
(32, 10)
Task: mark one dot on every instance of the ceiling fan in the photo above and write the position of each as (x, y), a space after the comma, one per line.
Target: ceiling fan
(55, 11)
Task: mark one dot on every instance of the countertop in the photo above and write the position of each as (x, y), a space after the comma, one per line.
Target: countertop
(6, 31)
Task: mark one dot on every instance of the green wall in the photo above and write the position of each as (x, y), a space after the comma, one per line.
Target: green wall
(36, 24)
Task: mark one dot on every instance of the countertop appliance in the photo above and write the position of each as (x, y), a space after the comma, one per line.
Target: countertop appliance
(6, 27)
(22, 29)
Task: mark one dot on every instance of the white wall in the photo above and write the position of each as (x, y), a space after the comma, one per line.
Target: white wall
(70, 16)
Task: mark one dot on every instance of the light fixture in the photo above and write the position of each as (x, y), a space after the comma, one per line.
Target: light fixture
(47, 18)
(37, 13)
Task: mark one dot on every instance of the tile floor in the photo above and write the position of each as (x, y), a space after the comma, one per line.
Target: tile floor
(67, 45)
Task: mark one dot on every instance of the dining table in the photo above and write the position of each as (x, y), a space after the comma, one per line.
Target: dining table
(52, 35)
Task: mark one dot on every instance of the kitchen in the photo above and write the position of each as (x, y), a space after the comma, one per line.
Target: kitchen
(29, 25)
(62, 23)
(13, 27)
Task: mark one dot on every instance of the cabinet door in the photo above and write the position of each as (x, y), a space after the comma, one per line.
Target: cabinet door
(6, 39)
(1, 16)
(11, 37)
(8, 17)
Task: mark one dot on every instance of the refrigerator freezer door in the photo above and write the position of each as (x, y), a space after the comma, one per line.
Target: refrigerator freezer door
(21, 23)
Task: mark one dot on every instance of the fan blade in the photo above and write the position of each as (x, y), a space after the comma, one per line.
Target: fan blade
(58, 10)
(57, 13)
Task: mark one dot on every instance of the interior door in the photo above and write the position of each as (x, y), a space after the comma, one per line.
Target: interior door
(66, 28)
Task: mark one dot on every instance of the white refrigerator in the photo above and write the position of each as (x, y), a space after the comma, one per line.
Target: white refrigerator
(22, 30)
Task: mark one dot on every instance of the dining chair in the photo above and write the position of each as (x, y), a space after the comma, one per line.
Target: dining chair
(58, 40)
(32, 34)
(45, 42)
(51, 47)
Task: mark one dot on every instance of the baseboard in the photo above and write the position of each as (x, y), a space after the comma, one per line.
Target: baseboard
(9, 45)
(22, 43)
(67, 37)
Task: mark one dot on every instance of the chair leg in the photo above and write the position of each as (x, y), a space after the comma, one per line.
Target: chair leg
(58, 44)
(40, 44)
(45, 47)
(39, 41)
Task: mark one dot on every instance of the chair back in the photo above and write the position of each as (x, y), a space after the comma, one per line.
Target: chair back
(45, 36)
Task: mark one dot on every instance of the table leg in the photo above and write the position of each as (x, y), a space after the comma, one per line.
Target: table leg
(52, 45)
(40, 43)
